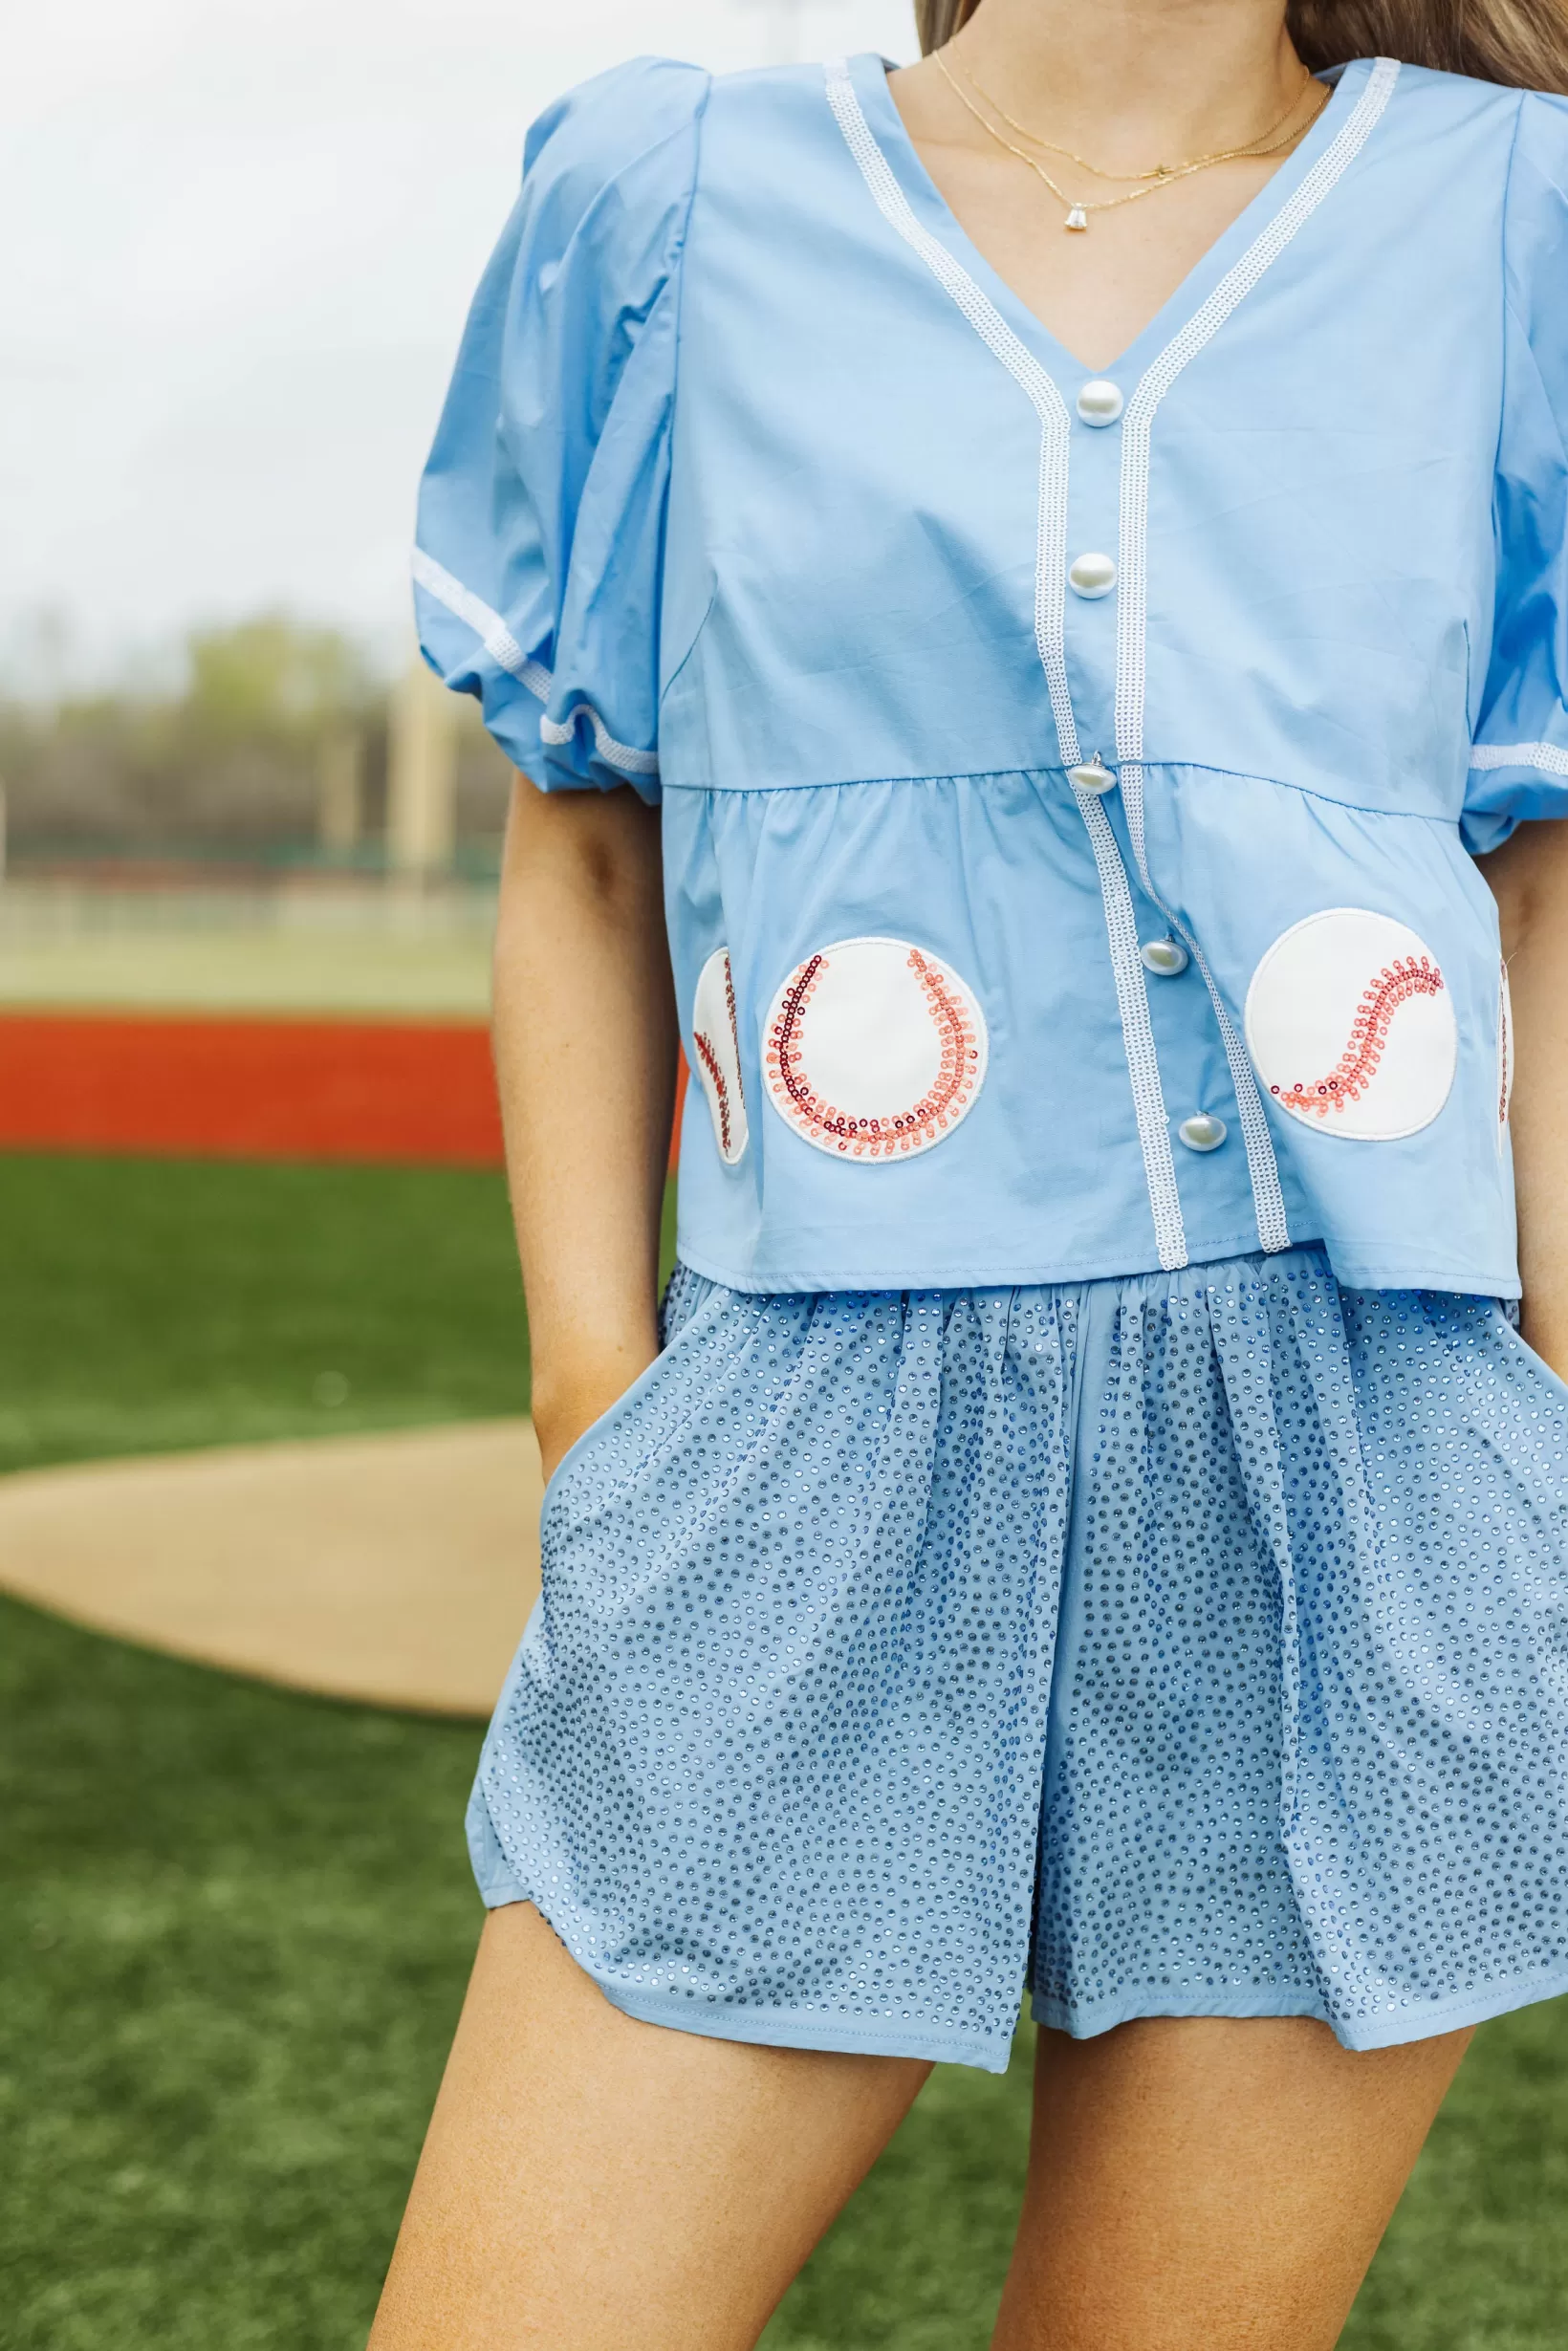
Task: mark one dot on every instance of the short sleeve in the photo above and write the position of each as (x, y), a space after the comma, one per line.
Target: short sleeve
(1519, 762)
(539, 550)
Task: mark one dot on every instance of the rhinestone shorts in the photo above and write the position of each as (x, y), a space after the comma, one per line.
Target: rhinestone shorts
(1195, 1643)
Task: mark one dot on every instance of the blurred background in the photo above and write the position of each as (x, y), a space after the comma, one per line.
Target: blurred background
(267, 1483)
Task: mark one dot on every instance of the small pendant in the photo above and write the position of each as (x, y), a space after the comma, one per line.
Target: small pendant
(1077, 218)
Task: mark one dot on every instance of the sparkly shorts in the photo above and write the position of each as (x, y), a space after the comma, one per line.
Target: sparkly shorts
(1195, 1643)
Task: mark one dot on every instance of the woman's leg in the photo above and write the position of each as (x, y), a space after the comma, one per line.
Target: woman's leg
(597, 2185)
(1209, 2184)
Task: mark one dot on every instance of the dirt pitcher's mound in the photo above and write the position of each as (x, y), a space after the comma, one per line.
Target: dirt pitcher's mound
(396, 1570)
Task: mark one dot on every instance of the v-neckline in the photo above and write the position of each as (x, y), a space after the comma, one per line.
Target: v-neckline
(870, 72)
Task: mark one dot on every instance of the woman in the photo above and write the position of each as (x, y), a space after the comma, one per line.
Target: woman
(1050, 567)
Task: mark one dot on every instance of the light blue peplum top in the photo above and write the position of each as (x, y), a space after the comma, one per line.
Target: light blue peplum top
(1069, 778)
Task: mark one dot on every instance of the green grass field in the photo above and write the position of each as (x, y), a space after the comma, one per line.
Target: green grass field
(239, 1921)
(150, 1305)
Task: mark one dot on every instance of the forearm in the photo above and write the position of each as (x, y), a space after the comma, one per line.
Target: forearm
(1529, 877)
(585, 1055)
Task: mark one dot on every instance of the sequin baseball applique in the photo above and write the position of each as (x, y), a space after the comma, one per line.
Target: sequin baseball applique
(1350, 1025)
(716, 1037)
(875, 1050)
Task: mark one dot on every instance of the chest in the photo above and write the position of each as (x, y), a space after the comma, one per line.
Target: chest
(1095, 290)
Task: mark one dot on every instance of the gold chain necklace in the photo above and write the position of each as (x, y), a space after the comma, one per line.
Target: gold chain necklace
(1079, 208)
(1162, 171)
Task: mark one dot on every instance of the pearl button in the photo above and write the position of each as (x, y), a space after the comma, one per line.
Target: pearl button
(1165, 956)
(1100, 402)
(1093, 776)
(1202, 1133)
(1091, 575)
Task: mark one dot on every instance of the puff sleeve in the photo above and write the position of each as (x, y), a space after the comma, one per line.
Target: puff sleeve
(1519, 762)
(538, 556)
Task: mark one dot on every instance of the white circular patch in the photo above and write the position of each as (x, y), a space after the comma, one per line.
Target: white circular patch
(1350, 1025)
(875, 1050)
(716, 1037)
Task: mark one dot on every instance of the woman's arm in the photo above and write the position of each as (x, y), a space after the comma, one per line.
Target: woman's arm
(1529, 879)
(586, 1056)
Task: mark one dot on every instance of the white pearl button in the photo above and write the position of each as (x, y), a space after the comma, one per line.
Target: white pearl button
(1091, 777)
(1165, 956)
(1091, 575)
(1202, 1133)
(1100, 402)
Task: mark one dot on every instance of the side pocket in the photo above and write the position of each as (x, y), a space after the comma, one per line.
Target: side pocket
(611, 1418)
(1516, 1342)
(615, 1447)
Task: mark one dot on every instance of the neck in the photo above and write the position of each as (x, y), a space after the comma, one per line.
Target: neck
(1147, 78)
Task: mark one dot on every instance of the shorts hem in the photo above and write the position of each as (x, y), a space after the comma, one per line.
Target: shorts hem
(1415, 2021)
(800, 2029)
(1088, 2022)
(719, 2020)
(1419, 2020)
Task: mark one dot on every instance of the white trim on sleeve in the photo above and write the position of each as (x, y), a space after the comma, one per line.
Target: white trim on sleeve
(1543, 755)
(508, 654)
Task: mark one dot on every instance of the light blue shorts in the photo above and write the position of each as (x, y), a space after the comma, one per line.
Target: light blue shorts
(1188, 1645)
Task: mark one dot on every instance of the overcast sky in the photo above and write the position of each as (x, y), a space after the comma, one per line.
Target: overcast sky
(241, 238)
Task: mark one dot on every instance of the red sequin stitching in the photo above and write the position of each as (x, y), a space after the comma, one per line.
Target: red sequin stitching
(710, 1061)
(1407, 976)
(878, 1137)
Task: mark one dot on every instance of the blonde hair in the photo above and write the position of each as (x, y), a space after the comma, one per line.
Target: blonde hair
(1521, 43)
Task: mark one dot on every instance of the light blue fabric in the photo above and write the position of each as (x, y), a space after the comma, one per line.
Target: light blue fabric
(1192, 1645)
(757, 488)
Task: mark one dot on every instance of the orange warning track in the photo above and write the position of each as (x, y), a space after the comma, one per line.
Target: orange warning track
(249, 1089)
(415, 1091)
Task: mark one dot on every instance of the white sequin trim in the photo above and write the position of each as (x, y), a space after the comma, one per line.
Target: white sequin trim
(508, 654)
(1132, 616)
(1050, 599)
(1543, 755)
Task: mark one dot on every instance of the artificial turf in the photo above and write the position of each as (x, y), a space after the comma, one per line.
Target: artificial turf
(238, 1921)
(150, 1305)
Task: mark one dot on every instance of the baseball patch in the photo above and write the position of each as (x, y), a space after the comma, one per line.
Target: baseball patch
(875, 1050)
(1350, 1025)
(716, 1039)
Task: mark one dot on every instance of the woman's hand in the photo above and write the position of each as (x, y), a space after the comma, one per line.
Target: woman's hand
(585, 1053)
(564, 1413)
(1529, 879)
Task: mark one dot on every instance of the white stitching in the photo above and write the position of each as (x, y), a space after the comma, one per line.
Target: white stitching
(1021, 364)
(508, 654)
(1050, 637)
(1132, 618)
(1543, 755)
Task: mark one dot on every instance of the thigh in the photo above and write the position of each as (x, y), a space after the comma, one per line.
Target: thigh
(594, 2184)
(1211, 2183)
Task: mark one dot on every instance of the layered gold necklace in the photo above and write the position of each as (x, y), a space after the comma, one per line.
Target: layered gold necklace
(1077, 209)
